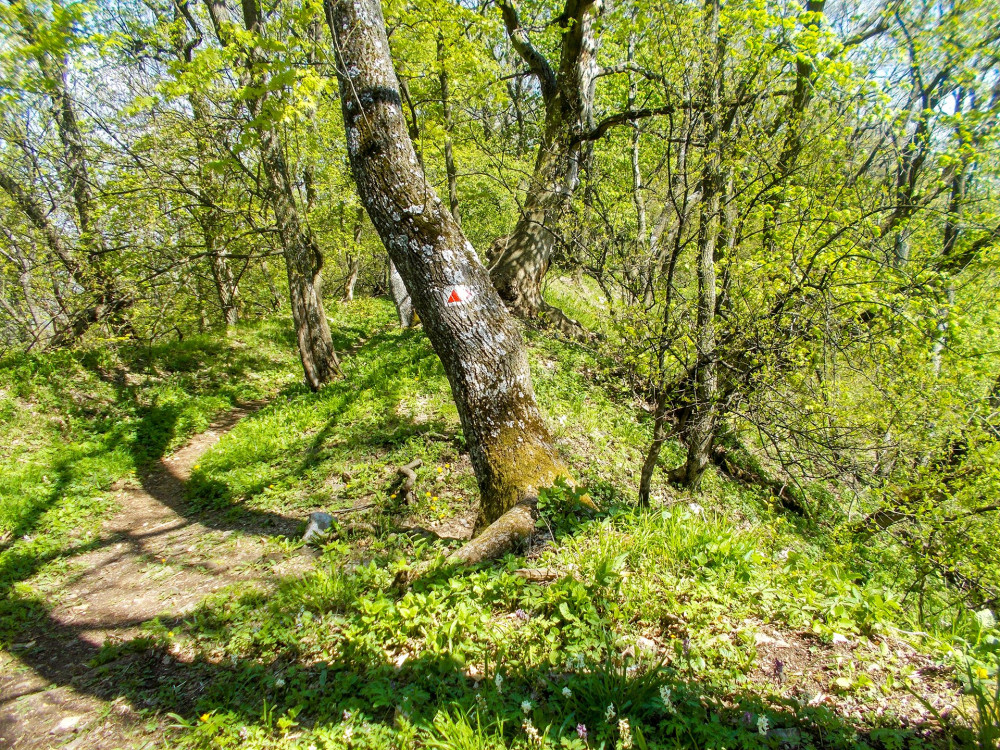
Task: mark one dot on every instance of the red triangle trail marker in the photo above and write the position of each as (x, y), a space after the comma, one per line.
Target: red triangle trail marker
(457, 295)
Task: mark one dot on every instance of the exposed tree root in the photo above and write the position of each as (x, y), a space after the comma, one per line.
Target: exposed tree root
(506, 533)
(557, 319)
(409, 480)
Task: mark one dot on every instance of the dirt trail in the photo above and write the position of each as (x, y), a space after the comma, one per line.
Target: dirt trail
(154, 558)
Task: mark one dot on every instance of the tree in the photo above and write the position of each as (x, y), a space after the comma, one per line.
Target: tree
(85, 257)
(522, 258)
(472, 332)
(303, 259)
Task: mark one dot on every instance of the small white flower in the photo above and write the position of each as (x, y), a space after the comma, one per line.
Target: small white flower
(667, 699)
(498, 681)
(348, 732)
(526, 706)
(533, 736)
(609, 712)
(347, 715)
(567, 693)
(696, 509)
(279, 682)
(762, 725)
(626, 734)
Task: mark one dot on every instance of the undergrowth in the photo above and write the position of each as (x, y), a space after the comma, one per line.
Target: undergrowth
(657, 627)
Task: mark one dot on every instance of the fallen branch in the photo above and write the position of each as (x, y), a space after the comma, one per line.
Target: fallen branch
(539, 575)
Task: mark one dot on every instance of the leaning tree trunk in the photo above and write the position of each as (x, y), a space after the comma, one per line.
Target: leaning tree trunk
(478, 341)
(303, 259)
(303, 263)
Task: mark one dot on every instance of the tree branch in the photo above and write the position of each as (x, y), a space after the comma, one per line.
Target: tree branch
(39, 219)
(522, 45)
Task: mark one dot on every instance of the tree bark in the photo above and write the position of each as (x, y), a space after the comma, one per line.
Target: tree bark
(478, 341)
(522, 258)
(401, 297)
(353, 270)
(449, 155)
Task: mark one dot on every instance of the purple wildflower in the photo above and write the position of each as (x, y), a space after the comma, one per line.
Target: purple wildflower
(581, 731)
(520, 614)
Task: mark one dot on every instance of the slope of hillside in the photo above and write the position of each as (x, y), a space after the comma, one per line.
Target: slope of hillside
(704, 621)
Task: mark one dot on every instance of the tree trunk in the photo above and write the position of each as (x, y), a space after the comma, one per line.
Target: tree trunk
(449, 156)
(478, 341)
(226, 287)
(353, 270)
(404, 305)
(653, 454)
(702, 422)
(523, 257)
(303, 259)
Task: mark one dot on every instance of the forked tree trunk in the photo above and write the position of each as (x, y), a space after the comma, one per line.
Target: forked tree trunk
(522, 258)
(472, 332)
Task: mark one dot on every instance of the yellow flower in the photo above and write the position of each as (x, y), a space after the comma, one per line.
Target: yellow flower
(981, 673)
(392, 496)
(206, 717)
(435, 498)
(440, 469)
(270, 486)
(428, 494)
(197, 466)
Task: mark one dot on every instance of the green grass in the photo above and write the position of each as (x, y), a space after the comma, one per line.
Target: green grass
(73, 423)
(341, 657)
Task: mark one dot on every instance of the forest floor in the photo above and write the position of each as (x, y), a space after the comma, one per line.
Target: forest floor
(153, 560)
(156, 592)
